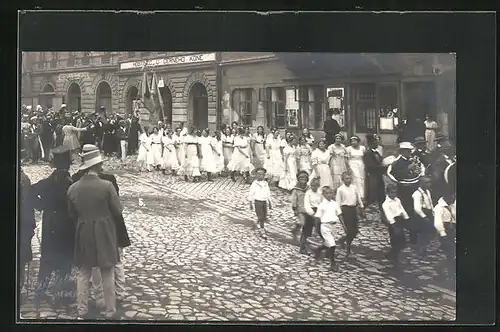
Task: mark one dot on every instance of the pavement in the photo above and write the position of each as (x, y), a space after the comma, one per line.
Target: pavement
(195, 257)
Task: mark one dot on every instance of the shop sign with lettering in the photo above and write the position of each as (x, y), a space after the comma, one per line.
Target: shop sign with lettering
(73, 76)
(176, 60)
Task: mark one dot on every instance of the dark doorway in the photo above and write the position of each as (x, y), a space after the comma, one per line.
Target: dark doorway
(199, 104)
(420, 100)
(74, 97)
(167, 105)
(132, 94)
(103, 97)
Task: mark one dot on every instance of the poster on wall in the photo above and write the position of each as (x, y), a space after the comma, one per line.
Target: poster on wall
(335, 97)
(292, 118)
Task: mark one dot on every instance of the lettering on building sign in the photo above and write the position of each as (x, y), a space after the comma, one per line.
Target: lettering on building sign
(73, 76)
(178, 60)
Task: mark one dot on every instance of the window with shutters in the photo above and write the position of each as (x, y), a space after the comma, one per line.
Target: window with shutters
(276, 110)
(242, 104)
(311, 101)
(366, 107)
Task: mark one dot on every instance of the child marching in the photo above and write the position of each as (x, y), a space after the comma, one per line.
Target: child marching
(260, 200)
(297, 199)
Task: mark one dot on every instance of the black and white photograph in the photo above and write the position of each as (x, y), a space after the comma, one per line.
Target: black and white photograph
(212, 185)
(221, 186)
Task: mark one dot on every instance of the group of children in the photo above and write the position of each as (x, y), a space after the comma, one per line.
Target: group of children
(323, 207)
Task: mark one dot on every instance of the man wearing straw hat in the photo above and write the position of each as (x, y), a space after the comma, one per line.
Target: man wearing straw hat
(94, 205)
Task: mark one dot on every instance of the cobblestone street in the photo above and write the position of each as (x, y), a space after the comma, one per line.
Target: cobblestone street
(194, 256)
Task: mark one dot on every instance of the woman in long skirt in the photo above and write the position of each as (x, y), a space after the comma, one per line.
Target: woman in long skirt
(70, 140)
(290, 156)
(355, 153)
(208, 161)
(240, 160)
(170, 162)
(180, 148)
(192, 163)
(227, 143)
(219, 151)
(338, 163)
(430, 132)
(156, 149)
(320, 161)
(144, 156)
(304, 152)
(274, 162)
(259, 150)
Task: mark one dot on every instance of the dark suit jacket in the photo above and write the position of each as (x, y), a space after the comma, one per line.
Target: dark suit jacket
(121, 229)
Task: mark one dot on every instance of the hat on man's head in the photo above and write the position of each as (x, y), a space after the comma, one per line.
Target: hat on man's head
(63, 106)
(61, 157)
(28, 107)
(102, 108)
(406, 145)
(91, 156)
(419, 140)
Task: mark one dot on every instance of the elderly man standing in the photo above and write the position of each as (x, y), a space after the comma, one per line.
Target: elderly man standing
(94, 205)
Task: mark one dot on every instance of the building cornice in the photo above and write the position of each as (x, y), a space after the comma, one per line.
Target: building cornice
(249, 60)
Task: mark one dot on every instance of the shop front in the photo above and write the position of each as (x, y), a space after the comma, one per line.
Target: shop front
(184, 88)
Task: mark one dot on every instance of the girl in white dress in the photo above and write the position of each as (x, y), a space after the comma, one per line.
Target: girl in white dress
(180, 149)
(259, 150)
(338, 164)
(430, 132)
(192, 161)
(170, 163)
(240, 160)
(304, 154)
(274, 161)
(156, 149)
(290, 157)
(320, 161)
(219, 154)
(227, 144)
(208, 158)
(355, 153)
(70, 139)
(144, 157)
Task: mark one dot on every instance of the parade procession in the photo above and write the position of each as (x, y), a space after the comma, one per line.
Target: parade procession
(140, 214)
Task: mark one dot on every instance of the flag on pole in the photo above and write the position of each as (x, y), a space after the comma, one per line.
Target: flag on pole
(145, 87)
(160, 99)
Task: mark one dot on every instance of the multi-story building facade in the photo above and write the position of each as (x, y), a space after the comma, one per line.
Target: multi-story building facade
(368, 93)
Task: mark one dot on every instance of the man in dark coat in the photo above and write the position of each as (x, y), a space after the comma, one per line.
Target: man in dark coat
(100, 120)
(27, 224)
(437, 170)
(133, 137)
(122, 133)
(34, 144)
(95, 204)
(56, 252)
(89, 136)
(420, 151)
(406, 172)
(375, 188)
(47, 135)
(331, 128)
(123, 242)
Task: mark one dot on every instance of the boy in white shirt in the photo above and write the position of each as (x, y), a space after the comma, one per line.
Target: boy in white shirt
(445, 221)
(422, 221)
(260, 198)
(312, 199)
(329, 213)
(395, 215)
(349, 200)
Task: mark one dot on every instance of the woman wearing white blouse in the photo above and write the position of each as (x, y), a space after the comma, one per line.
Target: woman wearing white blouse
(170, 162)
(227, 143)
(156, 149)
(274, 162)
(192, 161)
(356, 164)
(258, 143)
(320, 160)
(240, 159)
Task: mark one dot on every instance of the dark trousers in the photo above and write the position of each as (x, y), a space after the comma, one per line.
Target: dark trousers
(307, 228)
(261, 211)
(448, 242)
(405, 193)
(350, 215)
(424, 228)
(397, 237)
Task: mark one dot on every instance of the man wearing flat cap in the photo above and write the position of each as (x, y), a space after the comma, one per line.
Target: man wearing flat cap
(94, 205)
